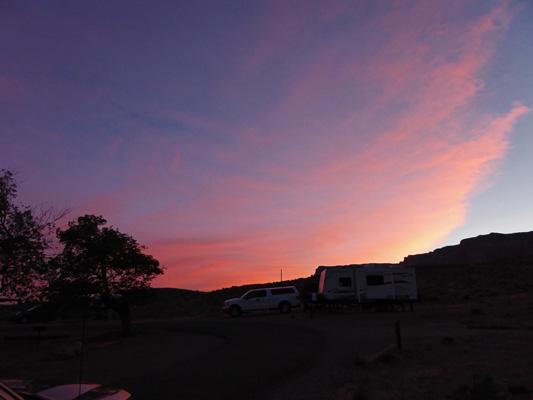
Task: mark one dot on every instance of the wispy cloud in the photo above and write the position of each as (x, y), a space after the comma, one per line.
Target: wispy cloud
(284, 135)
(349, 192)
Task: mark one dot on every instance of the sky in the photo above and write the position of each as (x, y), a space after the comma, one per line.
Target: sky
(246, 141)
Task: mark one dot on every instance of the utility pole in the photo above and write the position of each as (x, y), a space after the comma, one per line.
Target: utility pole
(281, 276)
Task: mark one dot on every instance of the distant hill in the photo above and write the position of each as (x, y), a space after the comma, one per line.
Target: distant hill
(480, 249)
(448, 274)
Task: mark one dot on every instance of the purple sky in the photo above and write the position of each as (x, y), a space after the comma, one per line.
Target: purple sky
(238, 138)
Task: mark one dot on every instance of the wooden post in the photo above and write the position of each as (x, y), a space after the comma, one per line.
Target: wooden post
(398, 335)
(39, 330)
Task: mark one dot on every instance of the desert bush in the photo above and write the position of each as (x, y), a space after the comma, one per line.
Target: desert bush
(361, 394)
(481, 388)
(518, 389)
(388, 358)
(447, 340)
(360, 361)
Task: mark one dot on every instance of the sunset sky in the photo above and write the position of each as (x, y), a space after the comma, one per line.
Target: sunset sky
(238, 138)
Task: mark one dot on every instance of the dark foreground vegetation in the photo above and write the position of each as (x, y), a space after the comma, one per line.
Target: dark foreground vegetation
(471, 337)
(71, 266)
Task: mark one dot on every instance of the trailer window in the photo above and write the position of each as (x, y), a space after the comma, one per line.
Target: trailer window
(345, 282)
(373, 280)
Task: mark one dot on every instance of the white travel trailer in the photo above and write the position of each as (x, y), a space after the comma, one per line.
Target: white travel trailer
(368, 284)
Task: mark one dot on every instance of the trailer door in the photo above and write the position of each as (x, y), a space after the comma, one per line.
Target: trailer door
(338, 285)
(346, 286)
(405, 283)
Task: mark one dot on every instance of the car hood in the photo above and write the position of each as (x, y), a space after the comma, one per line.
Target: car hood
(49, 391)
(232, 300)
(88, 390)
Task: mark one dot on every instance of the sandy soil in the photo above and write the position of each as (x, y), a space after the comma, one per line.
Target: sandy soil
(457, 352)
(448, 351)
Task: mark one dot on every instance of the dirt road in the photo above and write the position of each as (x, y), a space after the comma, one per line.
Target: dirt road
(252, 355)
(265, 357)
(217, 358)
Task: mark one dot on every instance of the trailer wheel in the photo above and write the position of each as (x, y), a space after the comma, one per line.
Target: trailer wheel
(235, 311)
(284, 307)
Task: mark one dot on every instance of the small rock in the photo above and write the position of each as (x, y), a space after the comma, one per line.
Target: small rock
(65, 352)
(447, 340)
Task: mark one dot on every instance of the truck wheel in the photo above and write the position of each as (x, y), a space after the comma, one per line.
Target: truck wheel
(235, 311)
(284, 307)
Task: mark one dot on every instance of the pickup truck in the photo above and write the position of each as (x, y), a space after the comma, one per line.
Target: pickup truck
(278, 298)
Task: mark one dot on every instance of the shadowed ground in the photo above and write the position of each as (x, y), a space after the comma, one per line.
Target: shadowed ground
(472, 334)
(331, 355)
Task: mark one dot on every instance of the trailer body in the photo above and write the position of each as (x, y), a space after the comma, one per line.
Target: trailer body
(368, 283)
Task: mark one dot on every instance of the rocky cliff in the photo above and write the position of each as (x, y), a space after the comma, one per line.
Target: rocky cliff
(483, 248)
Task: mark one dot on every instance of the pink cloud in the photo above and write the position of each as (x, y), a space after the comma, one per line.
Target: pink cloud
(370, 151)
(400, 191)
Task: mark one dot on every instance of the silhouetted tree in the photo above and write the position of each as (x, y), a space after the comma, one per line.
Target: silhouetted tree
(98, 260)
(23, 241)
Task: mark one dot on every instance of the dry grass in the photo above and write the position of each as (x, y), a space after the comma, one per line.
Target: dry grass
(449, 365)
(486, 351)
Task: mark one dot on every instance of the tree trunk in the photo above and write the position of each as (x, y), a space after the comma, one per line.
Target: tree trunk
(125, 319)
(123, 310)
